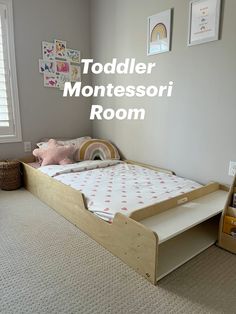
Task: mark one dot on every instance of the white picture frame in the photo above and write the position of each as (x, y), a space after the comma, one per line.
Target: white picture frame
(204, 21)
(159, 32)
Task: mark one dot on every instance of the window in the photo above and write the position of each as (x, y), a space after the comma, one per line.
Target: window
(10, 128)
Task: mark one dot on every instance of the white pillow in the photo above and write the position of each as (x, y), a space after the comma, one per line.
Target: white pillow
(77, 142)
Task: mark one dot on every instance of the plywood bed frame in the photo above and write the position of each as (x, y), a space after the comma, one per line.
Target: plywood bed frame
(154, 240)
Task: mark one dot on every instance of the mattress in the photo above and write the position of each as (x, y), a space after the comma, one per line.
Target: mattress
(113, 186)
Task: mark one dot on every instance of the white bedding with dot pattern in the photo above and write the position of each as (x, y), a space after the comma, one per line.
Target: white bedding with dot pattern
(112, 186)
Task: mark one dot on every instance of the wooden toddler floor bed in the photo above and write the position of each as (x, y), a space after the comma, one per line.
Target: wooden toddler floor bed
(154, 240)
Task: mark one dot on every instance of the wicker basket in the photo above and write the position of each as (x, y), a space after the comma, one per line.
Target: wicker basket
(10, 176)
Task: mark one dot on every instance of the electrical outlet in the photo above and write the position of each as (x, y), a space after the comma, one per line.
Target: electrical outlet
(232, 168)
(27, 147)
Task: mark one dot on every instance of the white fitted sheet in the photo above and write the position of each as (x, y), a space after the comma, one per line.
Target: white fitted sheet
(112, 187)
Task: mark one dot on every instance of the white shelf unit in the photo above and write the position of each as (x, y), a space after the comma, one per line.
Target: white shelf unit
(186, 230)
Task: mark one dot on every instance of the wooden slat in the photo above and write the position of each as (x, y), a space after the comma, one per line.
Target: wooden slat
(4, 116)
(149, 167)
(157, 208)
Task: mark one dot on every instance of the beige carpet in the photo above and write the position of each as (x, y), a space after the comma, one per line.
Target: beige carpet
(48, 266)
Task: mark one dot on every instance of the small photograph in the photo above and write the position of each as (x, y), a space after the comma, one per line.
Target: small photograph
(62, 66)
(57, 77)
(75, 73)
(62, 78)
(46, 66)
(48, 51)
(73, 55)
(50, 80)
(60, 48)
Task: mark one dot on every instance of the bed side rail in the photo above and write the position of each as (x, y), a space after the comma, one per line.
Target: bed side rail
(158, 208)
(149, 166)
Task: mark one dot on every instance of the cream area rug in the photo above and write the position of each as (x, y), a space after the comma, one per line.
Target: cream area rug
(47, 265)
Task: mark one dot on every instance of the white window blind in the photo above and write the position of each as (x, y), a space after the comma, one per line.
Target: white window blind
(9, 105)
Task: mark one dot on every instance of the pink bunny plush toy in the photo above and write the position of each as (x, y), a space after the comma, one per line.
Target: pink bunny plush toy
(55, 154)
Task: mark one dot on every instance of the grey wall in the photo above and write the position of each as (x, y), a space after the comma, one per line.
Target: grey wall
(44, 112)
(194, 131)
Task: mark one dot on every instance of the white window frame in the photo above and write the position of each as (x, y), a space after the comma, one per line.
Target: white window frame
(17, 135)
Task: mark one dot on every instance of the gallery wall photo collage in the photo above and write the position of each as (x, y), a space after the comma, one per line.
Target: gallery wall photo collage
(59, 64)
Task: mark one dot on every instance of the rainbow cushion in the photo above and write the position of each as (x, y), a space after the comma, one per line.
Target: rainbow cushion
(96, 149)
